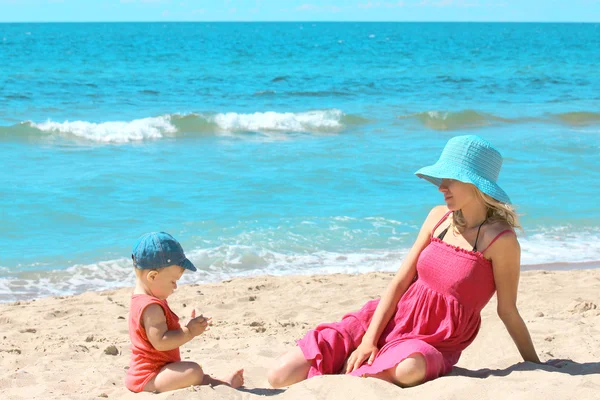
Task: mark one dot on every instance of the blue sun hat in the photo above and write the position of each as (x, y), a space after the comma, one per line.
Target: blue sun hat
(468, 159)
(156, 250)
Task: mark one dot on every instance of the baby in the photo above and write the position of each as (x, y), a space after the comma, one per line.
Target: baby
(156, 366)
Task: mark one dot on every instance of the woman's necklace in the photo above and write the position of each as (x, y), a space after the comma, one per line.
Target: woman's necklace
(456, 230)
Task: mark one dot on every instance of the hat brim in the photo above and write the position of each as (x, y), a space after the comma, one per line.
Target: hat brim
(187, 264)
(438, 171)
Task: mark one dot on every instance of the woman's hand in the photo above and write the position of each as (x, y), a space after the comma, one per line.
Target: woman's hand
(364, 351)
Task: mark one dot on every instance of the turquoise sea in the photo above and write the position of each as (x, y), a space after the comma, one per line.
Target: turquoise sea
(281, 148)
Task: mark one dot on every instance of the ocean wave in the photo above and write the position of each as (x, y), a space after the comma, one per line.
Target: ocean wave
(319, 93)
(179, 125)
(540, 249)
(111, 132)
(560, 244)
(579, 118)
(317, 121)
(313, 93)
(213, 264)
(311, 121)
(473, 119)
(454, 120)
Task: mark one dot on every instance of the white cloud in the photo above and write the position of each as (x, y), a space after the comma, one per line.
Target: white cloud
(430, 3)
(382, 4)
(468, 4)
(315, 8)
(307, 7)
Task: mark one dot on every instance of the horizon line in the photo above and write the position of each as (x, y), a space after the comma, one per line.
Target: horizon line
(298, 21)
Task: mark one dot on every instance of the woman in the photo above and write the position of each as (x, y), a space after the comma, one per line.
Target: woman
(465, 251)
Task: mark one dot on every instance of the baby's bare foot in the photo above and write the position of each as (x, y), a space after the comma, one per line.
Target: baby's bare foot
(236, 380)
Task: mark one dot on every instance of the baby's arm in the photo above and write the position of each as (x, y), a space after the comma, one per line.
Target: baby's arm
(164, 339)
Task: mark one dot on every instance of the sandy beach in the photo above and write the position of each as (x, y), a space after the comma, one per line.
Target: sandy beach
(77, 347)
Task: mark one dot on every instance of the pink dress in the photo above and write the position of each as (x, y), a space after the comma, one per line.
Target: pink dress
(438, 316)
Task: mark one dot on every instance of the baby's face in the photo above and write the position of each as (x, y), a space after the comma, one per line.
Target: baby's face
(165, 281)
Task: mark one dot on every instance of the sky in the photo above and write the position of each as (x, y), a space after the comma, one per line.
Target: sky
(302, 10)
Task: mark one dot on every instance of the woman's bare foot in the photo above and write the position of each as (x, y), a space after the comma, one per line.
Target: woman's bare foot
(236, 380)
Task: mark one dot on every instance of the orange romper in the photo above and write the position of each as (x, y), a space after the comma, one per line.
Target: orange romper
(146, 361)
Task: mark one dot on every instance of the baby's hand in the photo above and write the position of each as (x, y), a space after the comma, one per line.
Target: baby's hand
(197, 325)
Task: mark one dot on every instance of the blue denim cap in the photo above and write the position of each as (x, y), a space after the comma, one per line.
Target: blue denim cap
(156, 250)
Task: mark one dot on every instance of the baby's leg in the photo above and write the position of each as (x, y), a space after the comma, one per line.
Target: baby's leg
(176, 375)
(234, 380)
(183, 374)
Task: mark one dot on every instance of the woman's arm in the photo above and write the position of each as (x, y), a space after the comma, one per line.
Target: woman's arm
(506, 260)
(399, 284)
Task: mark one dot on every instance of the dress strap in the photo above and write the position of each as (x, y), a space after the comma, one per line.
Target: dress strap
(496, 238)
(440, 222)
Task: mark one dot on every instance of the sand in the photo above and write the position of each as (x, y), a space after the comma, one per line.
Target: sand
(77, 347)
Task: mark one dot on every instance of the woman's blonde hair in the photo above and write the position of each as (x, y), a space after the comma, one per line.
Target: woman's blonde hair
(496, 211)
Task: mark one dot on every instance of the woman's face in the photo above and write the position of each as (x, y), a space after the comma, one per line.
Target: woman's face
(457, 194)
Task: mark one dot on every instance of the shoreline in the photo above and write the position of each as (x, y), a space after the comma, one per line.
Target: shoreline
(562, 266)
(557, 266)
(54, 347)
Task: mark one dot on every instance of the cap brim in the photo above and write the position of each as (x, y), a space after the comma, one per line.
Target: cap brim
(187, 264)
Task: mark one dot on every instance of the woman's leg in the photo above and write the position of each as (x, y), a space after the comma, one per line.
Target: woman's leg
(291, 368)
(327, 347)
(409, 372)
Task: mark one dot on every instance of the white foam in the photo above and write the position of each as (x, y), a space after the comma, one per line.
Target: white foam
(545, 246)
(560, 244)
(112, 131)
(153, 128)
(214, 265)
(310, 121)
(438, 115)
